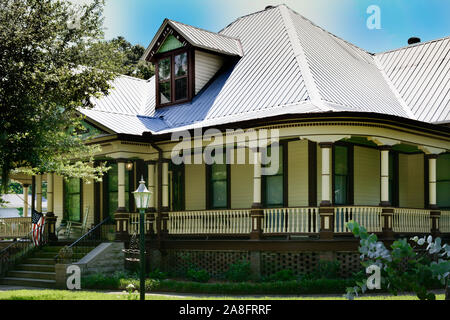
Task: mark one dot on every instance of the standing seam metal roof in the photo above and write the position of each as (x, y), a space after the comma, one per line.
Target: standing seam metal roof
(290, 66)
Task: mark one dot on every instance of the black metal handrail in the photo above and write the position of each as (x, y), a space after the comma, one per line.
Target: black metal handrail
(13, 253)
(83, 245)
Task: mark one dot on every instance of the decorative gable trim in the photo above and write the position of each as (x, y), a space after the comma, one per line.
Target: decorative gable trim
(165, 34)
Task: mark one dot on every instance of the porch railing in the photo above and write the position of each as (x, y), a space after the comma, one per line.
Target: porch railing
(291, 220)
(210, 222)
(15, 227)
(369, 217)
(444, 223)
(411, 220)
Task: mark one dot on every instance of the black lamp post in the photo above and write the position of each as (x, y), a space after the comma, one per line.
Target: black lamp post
(142, 199)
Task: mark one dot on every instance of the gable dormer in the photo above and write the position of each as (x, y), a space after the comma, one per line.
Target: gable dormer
(186, 59)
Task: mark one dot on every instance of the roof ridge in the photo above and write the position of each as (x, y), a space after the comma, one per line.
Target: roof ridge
(394, 90)
(413, 45)
(302, 61)
(247, 15)
(326, 31)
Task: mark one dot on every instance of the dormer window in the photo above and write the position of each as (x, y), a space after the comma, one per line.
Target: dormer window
(186, 59)
(173, 77)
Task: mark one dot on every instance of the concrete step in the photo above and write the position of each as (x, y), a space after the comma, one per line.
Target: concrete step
(41, 261)
(35, 267)
(51, 249)
(27, 282)
(32, 275)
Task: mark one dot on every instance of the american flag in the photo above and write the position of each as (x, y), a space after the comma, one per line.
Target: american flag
(37, 220)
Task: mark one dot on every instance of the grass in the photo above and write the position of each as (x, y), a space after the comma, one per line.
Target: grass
(90, 295)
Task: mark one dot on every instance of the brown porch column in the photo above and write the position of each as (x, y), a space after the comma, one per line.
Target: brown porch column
(326, 210)
(257, 212)
(435, 213)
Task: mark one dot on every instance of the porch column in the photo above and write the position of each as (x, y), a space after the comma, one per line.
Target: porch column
(165, 196)
(384, 173)
(432, 203)
(121, 217)
(165, 185)
(326, 211)
(387, 213)
(49, 193)
(257, 213)
(121, 186)
(39, 193)
(25, 199)
(151, 187)
(50, 216)
(435, 214)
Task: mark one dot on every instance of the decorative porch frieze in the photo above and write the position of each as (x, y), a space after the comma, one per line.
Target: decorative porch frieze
(379, 141)
(325, 138)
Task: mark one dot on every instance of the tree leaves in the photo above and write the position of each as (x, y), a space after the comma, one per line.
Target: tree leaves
(46, 74)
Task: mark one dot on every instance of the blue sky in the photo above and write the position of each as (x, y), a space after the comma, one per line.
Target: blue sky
(138, 20)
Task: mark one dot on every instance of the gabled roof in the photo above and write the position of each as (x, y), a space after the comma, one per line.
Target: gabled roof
(290, 66)
(198, 38)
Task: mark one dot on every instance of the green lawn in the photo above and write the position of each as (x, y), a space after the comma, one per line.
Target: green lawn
(89, 295)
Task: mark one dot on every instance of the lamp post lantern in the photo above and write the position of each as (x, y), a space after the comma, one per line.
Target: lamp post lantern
(142, 200)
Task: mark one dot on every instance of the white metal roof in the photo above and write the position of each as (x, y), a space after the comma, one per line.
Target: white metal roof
(289, 66)
(421, 75)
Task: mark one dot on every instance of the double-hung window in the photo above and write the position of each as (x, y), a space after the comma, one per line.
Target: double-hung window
(218, 186)
(72, 199)
(443, 181)
(173, 78)
(273, 185)
(343, 175)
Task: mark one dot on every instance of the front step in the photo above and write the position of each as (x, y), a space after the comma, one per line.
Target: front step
(35, 267)
(41, 261)
(38, 269)
(28, 282)
(32, 275)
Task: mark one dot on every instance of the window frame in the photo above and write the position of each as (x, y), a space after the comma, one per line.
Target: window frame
(350, 173)
(438, 181)
(128, 194)
(209, 187)
(284, 151)
(66, 215)
(190, 75)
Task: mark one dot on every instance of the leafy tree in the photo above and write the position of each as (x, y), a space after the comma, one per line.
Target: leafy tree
(403, 268)
(48, 71)
(132, 63)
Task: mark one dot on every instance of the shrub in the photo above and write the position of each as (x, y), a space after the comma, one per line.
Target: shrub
(238, 272)
(325, 270)
(282, 275)
(158, 275)
(198, 275)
